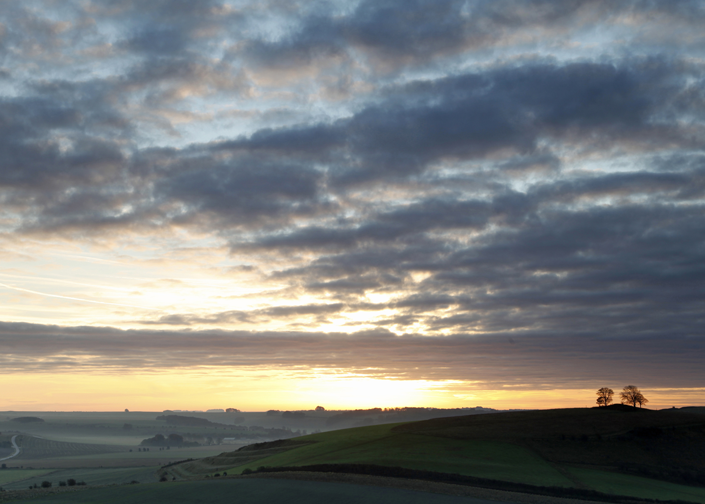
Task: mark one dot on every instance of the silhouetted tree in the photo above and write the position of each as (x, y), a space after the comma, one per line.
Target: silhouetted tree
(632, 395)
(604, 396)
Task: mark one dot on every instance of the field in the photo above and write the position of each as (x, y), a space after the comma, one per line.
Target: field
(115, 476)
(9, 476)
(645, 488)
(38, 448)
(254, 491)
(383, 446)
(616, 450)
(577, 448)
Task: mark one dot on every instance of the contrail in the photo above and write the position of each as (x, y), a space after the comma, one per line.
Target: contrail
(70, 282)
(76, 299)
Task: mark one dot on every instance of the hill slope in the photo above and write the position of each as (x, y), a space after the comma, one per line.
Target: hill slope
(578, 448)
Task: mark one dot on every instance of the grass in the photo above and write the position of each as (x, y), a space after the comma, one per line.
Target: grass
(665, 445)
(538, 448)
(106, 476)
(635, 486)
(541, 448)
(36, 448)
(253, 491)
(12, 475)
(124, 459)
(382, 446)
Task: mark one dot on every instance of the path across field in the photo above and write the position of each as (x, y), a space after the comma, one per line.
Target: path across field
(17, 448)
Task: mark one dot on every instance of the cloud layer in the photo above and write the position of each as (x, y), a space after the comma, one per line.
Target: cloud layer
(410, 185)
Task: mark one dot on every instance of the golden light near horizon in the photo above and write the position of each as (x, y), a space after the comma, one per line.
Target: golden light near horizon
(301, 389)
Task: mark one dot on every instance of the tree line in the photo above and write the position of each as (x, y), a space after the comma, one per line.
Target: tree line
(629, 395)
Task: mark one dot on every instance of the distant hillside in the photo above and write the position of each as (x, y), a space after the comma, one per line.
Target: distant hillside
(394, 415)
(27, 419)
(189, 421)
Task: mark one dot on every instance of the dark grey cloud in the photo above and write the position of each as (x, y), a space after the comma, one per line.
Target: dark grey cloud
(417, 32)
(474, 116)
(400, 33)
(529, 361)
(242, 194)
(262, 315)
(158, 41)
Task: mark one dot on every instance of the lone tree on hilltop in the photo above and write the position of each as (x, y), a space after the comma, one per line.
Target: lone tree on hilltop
(632, 395)
(604, 396)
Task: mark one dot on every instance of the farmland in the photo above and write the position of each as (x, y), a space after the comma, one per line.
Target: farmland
(10, 476)
(382, 445)
(250, 490)
(616, 450)
(578, 448)
(89, 476)
(33, 447)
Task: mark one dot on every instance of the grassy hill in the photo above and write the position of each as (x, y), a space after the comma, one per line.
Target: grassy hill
(668, 444)
(642, 453)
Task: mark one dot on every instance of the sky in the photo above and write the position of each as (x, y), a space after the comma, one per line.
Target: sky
(283, 204)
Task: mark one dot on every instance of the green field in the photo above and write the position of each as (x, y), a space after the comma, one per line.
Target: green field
(617, 450)
(33, 447)
(108, 476)
(382, 446)
(252, 491)
(12, 475)
(121, 459)
(624, 484)
(540, 448)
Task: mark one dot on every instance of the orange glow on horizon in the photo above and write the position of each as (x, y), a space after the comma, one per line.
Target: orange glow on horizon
(261, 390)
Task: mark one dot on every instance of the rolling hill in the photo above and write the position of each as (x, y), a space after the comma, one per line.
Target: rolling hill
(617, 450)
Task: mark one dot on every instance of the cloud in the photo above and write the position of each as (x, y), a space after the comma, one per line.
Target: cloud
(532, 361)
(473, 170)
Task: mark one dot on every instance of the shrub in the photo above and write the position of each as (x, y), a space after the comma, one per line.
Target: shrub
(247, 471)
(163, 478)
(71, 482)
(46, 484)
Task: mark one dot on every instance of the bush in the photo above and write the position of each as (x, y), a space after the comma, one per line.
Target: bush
(46, 484)
(163, 478)
(247, 471)
(71, 482)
